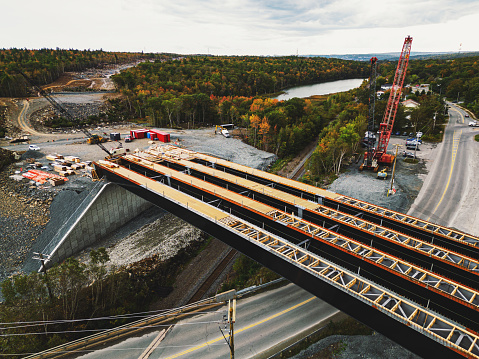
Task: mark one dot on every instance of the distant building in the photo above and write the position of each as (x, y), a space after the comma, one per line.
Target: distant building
(410, 103)
(421, 88)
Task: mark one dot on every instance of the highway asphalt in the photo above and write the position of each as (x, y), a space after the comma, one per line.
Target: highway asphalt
(263, 323)
(445, 186)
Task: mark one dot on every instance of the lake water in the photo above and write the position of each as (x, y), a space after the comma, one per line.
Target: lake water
(320, 89)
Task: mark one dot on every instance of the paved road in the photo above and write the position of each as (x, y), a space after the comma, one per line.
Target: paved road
(263, 321)
(445, 186)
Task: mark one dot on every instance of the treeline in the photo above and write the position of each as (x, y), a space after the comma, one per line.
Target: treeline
(73, 300)
(213, 90)
(46, 65)
(234, 76)
(457, 79)
(199, 89)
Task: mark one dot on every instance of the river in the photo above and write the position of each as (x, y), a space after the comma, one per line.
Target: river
(320, 89)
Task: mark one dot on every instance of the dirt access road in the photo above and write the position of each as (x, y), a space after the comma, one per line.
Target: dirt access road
(19, 111)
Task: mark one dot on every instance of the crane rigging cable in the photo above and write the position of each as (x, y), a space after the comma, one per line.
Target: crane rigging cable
(370, 139)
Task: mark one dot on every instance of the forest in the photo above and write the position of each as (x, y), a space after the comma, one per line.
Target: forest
(199, 91)
(72, 299)
(44, 66)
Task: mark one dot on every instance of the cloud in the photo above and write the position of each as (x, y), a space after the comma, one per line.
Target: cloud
(236, 26)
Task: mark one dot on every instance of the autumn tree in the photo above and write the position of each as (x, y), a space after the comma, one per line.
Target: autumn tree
(255, 122)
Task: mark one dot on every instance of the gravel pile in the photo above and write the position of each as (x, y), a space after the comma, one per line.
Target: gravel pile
(231, 149)
(155, 232)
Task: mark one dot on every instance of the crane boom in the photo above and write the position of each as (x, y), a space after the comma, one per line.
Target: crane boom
(385, 128)
(64, 112)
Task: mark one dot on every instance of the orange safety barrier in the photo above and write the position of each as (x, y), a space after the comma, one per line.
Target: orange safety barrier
(42, 176)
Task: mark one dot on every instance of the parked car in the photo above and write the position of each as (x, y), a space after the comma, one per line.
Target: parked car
(419, 134)
(404, 133)
(407, 154)
(397, 133)
(128, 139)
(33, 148)
(412, 141)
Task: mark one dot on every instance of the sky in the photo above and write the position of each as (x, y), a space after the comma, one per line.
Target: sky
(241, 27)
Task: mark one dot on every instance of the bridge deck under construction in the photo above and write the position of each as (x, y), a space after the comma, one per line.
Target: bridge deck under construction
(415, 226)
(421, 294)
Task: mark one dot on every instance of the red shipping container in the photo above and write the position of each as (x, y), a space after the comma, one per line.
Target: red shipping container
(160, 135)
(139, 133)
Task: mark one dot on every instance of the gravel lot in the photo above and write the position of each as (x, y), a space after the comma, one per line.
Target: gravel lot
(408, 180)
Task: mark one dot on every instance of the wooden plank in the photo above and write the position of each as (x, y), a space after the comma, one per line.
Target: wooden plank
(171, 193)
(269, 176)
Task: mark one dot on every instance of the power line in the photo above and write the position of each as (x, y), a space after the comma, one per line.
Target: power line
(99, 330)
(120, 316)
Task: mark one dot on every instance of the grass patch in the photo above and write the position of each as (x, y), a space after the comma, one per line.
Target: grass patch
(411, 160)
(476, 138)
(279, 164)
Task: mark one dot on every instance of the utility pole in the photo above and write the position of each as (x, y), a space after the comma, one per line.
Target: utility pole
(394, 170)
(229, 318)
(232, 319)
(43, 269)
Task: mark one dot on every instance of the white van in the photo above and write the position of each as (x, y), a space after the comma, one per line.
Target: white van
(225, 133)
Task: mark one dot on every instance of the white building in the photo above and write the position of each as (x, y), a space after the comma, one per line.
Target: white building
(410, 103)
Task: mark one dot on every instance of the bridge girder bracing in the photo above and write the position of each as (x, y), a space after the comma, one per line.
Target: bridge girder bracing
(413, 326)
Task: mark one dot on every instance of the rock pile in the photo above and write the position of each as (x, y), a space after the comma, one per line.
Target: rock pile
(24, 213)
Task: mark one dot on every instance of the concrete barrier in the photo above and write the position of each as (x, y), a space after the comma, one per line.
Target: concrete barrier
(99, 214)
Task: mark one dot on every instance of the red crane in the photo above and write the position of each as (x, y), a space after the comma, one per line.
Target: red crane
(385, 128)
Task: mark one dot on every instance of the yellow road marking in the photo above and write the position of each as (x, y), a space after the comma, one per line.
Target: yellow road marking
(241, 330)
(459, 112)
(455, 145)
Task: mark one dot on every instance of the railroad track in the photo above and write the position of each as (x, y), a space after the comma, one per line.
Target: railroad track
(212, 277)
(297, 174)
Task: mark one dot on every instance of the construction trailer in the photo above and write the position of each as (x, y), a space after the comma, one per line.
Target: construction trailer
(158, 135)
(139, 133)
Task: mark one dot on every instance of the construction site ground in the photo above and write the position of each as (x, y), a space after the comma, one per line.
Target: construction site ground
(26, 207)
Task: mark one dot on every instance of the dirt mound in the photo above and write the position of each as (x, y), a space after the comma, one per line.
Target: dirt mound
(6, 157)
